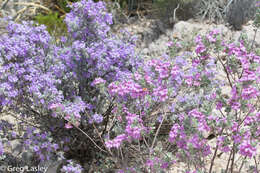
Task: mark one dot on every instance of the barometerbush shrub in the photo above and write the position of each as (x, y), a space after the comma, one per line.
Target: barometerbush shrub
(90, 100)
(188, 93)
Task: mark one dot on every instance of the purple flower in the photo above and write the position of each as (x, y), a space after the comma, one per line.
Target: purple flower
(164, 165)
(72, 167)
(1, 148)
(96, 118)
(257, 3)
(172, 107)
(36, 148)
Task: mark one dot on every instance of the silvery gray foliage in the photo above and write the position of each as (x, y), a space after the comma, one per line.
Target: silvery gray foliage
(213, 10)
(239, 12)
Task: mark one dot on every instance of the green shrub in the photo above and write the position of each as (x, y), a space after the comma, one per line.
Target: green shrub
(55, 24)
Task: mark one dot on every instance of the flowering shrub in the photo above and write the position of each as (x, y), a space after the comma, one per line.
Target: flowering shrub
(90, 98)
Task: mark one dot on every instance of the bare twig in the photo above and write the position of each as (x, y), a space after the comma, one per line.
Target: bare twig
(174, 13)
(90, 139)
(242, 164)
(18, 14)
(60, 9)
(4, 4)
(228, 161)
(215, 153)
(33, 5)
(229, 3)
(157, 132)
(23, 120)
(256, 167)
(233, 158)
(253, 41)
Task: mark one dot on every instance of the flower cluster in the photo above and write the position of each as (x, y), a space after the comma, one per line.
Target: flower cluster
(27, 67)
(95, 25)
(71, 167)
(116, 142)
(39, 143)
(96, 118)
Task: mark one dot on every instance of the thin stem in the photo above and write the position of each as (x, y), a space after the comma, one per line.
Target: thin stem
(90, 139)
(174, 13)
(242, 164)
(256, 167)
(24, 121)
(228, 161)
(215, 154)
(99, 134)
(145, 142)
(4, 4)
(253, 41)
(156, 134)
(233, 158)
(213, 159)
(229, 81)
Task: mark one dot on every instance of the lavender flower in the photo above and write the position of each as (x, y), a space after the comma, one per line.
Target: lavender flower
(96, 118)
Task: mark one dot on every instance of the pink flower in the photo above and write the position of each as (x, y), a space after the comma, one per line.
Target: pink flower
(148, 79)
(248, 76)
(67, 117)
(219, 105)
(246, 149)
(200, 48)
(149, 163)
(174, 132)
(249, 120)
(198, 39)
(225, 149)
(250, 92)
(235, 105)
(98, 81)
(161, 93)
(234, 127)
(237, 138)
(68, 126)
(175, 71)
(116, 142)
(109, 144)
(196, 114)
(215, 32)
(213, 96)
(170, 43)
(189, 80)
(55, 105)
(211, 39)
(137, 76)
